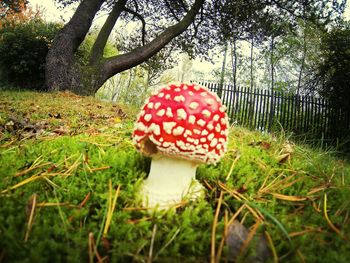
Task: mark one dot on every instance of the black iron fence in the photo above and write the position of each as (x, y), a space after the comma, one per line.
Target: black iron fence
(269, 111)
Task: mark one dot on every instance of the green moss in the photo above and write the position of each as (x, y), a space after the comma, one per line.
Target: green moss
(85, 143)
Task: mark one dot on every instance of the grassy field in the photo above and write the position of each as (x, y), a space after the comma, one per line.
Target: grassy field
(70, 177)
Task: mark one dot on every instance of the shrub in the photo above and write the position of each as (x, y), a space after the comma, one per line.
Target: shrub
(23, 49)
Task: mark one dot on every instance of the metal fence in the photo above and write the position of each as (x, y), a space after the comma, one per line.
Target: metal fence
(269, 111)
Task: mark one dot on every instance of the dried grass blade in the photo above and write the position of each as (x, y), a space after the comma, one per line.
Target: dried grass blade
(45, 204)
(249, 237)
(272, 246)
(73, 166)
(26, 181)
(86, 198)
(111, 207)
(300, 233)
(224, 235)
(100, 168)
(236, 214)
(256, 213)
(33, 167)
(288, 197)
(150, 253)
(232, 166)
(31, 217)
(332, 226)
(213, 230)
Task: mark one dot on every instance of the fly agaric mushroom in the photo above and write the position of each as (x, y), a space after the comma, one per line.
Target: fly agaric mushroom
(180, 126)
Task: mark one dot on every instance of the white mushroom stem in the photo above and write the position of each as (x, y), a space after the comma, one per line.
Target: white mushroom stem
(169, 182)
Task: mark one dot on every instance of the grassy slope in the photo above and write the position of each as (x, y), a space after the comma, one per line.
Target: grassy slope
(62, 157)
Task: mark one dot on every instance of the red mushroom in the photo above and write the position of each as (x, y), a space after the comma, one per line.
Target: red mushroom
(180, 126)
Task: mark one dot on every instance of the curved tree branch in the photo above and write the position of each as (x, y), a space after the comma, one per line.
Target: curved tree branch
(135, 57)
(101, 40)
(142, 21)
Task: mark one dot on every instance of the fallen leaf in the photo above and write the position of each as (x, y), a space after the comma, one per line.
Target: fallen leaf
(237, 235)
(283, 157)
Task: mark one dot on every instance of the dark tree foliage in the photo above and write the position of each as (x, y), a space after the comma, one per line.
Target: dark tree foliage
(334, 71)
(195, 27)
(23, 49)
(11, 6)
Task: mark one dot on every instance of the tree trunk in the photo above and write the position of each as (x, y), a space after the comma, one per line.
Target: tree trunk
(62, 71)
(251, 62)
(302, 61)
(234, 61)
(222, 79)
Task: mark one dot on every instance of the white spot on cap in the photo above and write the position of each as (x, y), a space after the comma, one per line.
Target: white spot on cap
(141, 127)
(142, 112)
(157, 105)
(206, 113)
(203, 94)
(161, 95)
(154, 128)
(210, 126)
(192, 119)
(196, 131)
(211, 136)
(187, 133)
(167, 97)
(148, 117)
(179, 98)
(181, 114)
(205, 132)
(150, 105)
(177, 89)
(222, 108)
(201, 122)
(209, 101)
(197, 88)
(190, 93)
(194, 105)
(168, 126)
(161, 113)
(214, 142)
(223, 121)
(166, 144)
(202, 140)
(169, 112)
(216, 117)
(218, 127)
(178, 130)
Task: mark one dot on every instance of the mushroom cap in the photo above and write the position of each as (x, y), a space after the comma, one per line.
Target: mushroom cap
(183, 121)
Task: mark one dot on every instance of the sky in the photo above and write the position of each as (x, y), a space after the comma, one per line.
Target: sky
(52, 13)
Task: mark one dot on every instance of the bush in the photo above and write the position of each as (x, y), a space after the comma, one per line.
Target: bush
(23, 49)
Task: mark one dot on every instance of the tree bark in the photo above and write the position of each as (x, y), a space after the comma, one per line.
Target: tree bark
(251, 62)
(222, 78)
(302, 61)
(60, 71)
(101, 40)
(234, 61)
